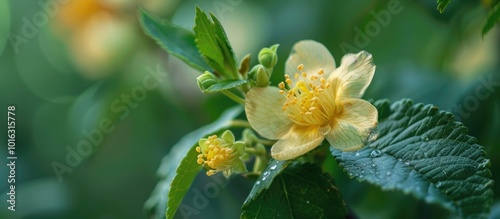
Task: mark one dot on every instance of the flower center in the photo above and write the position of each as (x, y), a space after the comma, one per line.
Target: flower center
(308, 100)
(217, 156)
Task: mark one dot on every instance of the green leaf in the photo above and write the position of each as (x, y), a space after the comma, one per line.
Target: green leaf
(493, 18)
(213, 44)
(300, 191)
(442, 5)
(184, 176)
(225, 85)
(179, 168)
(420, 150)
(175, 40)
(274, 168)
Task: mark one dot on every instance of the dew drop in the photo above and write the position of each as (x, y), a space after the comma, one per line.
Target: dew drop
(376, 153)
(258, 182)
(357, 154)
(307, 202)
(373, 165)
(273, 167)
(407, 163)
(264, 178)
(388, 173)
(266, 173)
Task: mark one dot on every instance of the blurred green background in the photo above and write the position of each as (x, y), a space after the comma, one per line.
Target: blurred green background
(84, 71)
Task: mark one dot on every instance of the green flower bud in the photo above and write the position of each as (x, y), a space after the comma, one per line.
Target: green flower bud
(268, 56)
(206, 80)
(259, 76)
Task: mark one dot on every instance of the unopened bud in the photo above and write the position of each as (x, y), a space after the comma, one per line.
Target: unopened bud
(268, 56)
(206, 80)
(259, 76)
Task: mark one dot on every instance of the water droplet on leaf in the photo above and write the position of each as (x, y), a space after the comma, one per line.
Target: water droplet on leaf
(273, 167)
(376, 153)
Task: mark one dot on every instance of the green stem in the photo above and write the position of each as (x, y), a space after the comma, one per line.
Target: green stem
(234, 97)
(250, 150)
(238, 123)
(254, 151)
(245, 88)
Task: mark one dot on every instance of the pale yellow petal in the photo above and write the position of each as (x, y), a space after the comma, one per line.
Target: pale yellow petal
(312, 55)
(296, 143)
(353, 75)
(263, 107)
(353, 125)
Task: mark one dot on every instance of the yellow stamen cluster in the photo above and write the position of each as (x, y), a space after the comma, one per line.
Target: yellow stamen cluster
(216, 157)
(304, 97)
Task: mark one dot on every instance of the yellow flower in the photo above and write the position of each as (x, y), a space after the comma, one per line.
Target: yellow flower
(221, 154)
(317, 101)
